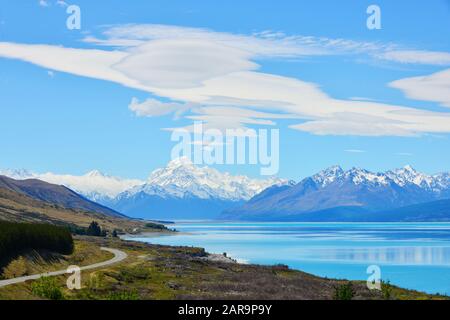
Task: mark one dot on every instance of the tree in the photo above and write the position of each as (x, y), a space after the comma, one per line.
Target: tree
(114, 233)
(94, 229)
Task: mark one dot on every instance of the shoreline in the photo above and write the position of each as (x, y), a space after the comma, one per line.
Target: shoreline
(167, 272)
(217, 254)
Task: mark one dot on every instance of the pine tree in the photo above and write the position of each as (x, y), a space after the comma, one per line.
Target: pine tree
(94, 229)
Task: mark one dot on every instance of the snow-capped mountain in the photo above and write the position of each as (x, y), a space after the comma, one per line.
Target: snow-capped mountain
(20, 174)
(336, 194)
(182, 179)
(94, 185)
(179, 190)
(402, 177)
(182, 190)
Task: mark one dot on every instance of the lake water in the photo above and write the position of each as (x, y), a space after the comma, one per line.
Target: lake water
(411, 255)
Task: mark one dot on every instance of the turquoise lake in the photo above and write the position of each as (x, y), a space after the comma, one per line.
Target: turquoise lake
(411, 255)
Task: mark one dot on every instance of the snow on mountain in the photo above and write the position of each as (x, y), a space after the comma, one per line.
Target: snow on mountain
(408, 175)
(402, 177)
(338, 194)
(20, 174)
(442, 180)
(356, 175)
(94, 185)
(328, 176)
(179, 179)
(182, 179)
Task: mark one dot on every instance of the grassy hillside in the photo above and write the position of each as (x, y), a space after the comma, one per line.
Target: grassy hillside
(54, 194)
(16, 207)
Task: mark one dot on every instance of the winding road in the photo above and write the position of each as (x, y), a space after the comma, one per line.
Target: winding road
(118, 256)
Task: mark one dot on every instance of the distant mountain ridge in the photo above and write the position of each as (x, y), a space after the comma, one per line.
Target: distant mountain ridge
(94, 185)
(342, 194)
(181, 190)
(54, 194)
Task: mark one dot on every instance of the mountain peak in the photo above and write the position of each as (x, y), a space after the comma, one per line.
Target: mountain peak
(409, 168)
(182, 178)
(95, 173)
(328, 175)
(335, 168)
(180, 162)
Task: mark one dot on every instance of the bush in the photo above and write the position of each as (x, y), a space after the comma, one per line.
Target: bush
(344, 292)
(386, 290)
(16, 237)
(123, 295)
(47, 288)
(155, 226)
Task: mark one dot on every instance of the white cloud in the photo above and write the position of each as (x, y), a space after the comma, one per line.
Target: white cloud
(263, 44)
(355, 151)
(182, 63)
(417, 57)
(61, 3)
(215, 77)
(155, 108)
(434, 87)
(50, 73)
(43, 3)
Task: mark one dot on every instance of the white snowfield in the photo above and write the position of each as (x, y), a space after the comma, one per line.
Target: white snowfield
(118, 257)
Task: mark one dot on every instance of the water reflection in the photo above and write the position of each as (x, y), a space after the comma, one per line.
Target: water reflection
(382, 255)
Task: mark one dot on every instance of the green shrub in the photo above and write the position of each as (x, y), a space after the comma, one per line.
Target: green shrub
(155, 226)
(386, 290)
(123, 295)
(47, 288)
(344, 292)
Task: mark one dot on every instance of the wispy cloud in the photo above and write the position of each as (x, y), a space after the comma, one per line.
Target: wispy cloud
(156, 108)
(43, 3)
(218, 74)
(61, 3)
(417, 57)
(434, 87)
(355, 151)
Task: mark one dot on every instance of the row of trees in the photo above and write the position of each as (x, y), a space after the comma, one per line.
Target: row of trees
(16, 237)
(94, 230)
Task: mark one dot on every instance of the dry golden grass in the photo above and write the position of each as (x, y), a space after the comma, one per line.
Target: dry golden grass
(163, 272)
(20, 208)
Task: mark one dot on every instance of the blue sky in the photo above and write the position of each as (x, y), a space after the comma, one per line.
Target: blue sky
(72, 116)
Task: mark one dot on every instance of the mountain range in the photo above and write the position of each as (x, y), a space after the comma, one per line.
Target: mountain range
(353, 195)
(54, 194)
(180, 190)
(32, 200)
